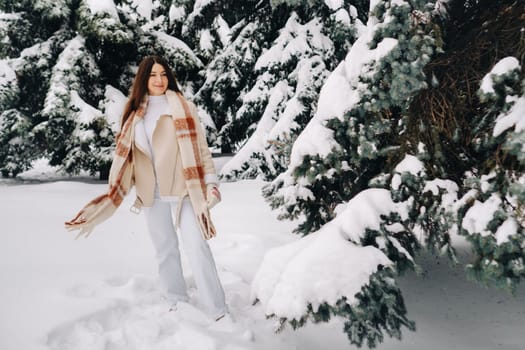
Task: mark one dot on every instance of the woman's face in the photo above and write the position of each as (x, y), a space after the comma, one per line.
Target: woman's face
(158, 80)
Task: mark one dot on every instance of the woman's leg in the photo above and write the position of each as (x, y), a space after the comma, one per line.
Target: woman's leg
(201, 262)
(162, 231)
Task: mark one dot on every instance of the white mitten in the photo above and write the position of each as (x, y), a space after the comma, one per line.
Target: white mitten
(213, 196)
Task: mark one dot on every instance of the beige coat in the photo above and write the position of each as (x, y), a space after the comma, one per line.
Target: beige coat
(183, 166)
(168, 165)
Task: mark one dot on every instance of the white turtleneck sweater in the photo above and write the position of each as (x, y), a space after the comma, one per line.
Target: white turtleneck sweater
(157, 106)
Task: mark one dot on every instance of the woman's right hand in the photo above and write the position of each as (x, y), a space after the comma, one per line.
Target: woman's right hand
(213, 195)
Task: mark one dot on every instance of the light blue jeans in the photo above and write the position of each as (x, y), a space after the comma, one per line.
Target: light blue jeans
(162, 228)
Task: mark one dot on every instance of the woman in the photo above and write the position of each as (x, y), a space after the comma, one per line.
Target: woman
(162, 151)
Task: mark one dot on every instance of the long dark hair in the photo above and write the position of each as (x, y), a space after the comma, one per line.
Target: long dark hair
(139, 88)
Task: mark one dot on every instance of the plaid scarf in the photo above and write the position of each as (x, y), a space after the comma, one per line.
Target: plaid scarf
(121, 172)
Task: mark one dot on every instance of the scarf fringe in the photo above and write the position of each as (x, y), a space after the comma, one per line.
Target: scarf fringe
(98, 210)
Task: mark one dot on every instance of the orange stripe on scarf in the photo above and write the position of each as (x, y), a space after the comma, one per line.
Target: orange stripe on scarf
(188, 124)
(122, 150)
(185, 123)
(193, 173)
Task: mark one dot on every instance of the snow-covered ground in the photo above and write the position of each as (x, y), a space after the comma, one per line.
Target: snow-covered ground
(102, 293)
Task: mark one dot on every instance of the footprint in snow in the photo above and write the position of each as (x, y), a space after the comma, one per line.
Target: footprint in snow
(136, 317)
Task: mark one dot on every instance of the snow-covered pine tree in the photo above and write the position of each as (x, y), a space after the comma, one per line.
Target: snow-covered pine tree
(32, 66)
(177, 11)
(74, 74)
(15, 155)
(202, 24)
(15, 33)
(347, 268)
(353, 139)
(9, 92)
(349, 142)
(230, 75)
(111, 36)
(431, 206)
(473, 166)
(492, 218)
(302, 56)
(467, 178)
(76, 81)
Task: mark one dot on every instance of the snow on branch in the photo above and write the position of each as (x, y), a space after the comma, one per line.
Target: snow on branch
(256, 143)
(63, 79)
(8, 84)
(504, 66)
(178, 45)
(328, 265)
(114, 103)
(102, 6)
